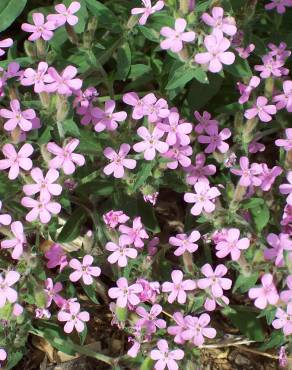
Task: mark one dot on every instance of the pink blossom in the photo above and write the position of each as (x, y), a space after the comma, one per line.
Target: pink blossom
(279, 244)
(114, 218)
(87, 113)
(215, 139)
(204, 120)
(6, 292)
(135, 233)
(5, 219)
(121, 252)
(199, 171)
(284, 320)
(284, 100)
(106, 119)
(217, 22)
(255, 147)
(178, 288)
(17, 310)
(280, 51)
(17, 117)
(261, 109)
(280, 5)
(164, 357)
(179, 155)
(248, 174)
(151, 198)
(74, 318)
(149, 320)
(18, 242)
(56, 257)
(271, 67)
(65, 158)
(286, 143)
(268, 176)
(125, 294)
(283, 360)
(175, 37)
(44, 185)
(245, 90)
(40, 29)
(150, 290)
(244, 53)
(147, 10)
(84, 99)
(178, 329)
(52, 290)
(177, 130)
(286, 295)
(15, 160)
(42, 313)
(204, 198)
(266, 294)
(84, 270)
(64, 83)
(287, 188)
(151, 143)
(41, 208)
(6, 43)
(185, 242)
(197, 329)
(65, 14)
(38, 78)
(232, 245)
(155, 109)
(3, 354)
(118, 161)
(214, 280)
(216, 54)
(133, 99)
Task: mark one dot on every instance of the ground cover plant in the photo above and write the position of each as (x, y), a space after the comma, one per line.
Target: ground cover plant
(145, 180)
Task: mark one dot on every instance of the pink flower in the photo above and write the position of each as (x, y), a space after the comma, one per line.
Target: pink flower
(17, 117)
(147, 10)
(125, 294)
(135, 233)
(216, 54)
(38, 78)
(84, 270)
(65, 158)
(286, 143)
(150, 290)
(177, 130)
(280, 5)
(65, 15)
(214, 280)
(114, 218)
(15, 160)
(149, 320)
(215, 139)
(178, 329)
(56, 257)
(287, 188)
(217, 22)
(267, 293)
(3, 354)
(64, 83)
(199, 172)
(204, 121)
(107, 119)
(75, 318)
(40, 29)
(244, 53)
(279, 244)
(5, 44)
(42, 209)
(261, 109)
(271, 67)
(17, 310)
(151, 143)
(178, 288)
(284, 320)
(232, 245)
(6, 292)
(185, 243)
(197, 329)
(255, 147)
(179, 155)
(175, 37)
(204, 198)
(52, 291)
(164, 357)
(245, 90)
(268, 176)
(286, 295)
(280, 51)
(121, 251)
(151, 198)
(118, 161)
(248, 174)
(42, 313)
(155, 109)
(133, 99)
(18, 242)
(43, 185)
(284, 100)
(5, 219)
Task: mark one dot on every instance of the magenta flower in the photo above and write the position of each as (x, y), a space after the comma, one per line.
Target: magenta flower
(284, 100)
(248, 174)
(65, 15)
(286, 295)
(232, 245)
(245, 90)
(149, 320)
(287, 188)
(38, 78)
(64, 83)
(6, 292)
(56, 257)
(177, 130)
(199, 172)
(261, 109)
(74, 318)
(175, 37)
(42, 209)
(215, 139)
(121, 252)
(179, 155)
(204, 198)
(18, 242)
(106, 119)
(40, 29)
(118, 161)
(15, 160)
(268, 176)
(17, 117)
(147, 10)
(284, 320)
(178, 288)
(271, 67)
(217, 22)
(164, 357)
(214, 280)
(125, 293)
(286, 143)
(185, 243)
(84, 270)
(197, 329)
(255, 147)
(280, 5)
(204, 120)
(216, 54)
(151, 143)
(177, 330)
(5, 219)
(279, 244)
(135, 233)
(65, 158)
(6, 43)
(51, 291)
(266, 294)
(114, 218)
(43, 185)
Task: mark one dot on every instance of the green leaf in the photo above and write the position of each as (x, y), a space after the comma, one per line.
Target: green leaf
(203, 6)
(149, 33)
(13, 359)
(9, 11)
(143, 174)
(106, 18)
(244, 283)
(71, 229)
(183, 75)
(261, 217)
(240, 68)
(147, 364)
(138, 70)
(276, 340)
(146, 211)
(123, 62)
(90, 292)
(70, 127)
(252, 203)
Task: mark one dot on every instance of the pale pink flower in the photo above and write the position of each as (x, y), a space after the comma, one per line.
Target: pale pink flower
(164, 357)
(44, 185)
(204, 120)
(106, 119)
(268, 176)
(3, 354)
(135, 233)
(6, 292)
(248, 174)
(214, 280)
(16, 161)
(6, 43)
(5, 219)
(16, 117)
(151, 289)
(178, 287)
(197, 329)
(84, 270)
(204, 198)
(261, 109)
(280, 51)
(284, 100)
(134, 350)
(215, 139)
(147, 10)
(266, 294)
(17, 310)
(85, 98)
(40, 29)
(232, 245)
(42, 209)
(179, 155)
(114, 218)
(133, 99)
(286, 295)
(175, 37)
(151, 198)
(151, 143)
(227, 25)
(56, 257)
(177, 130)
(198, 171)
(280, 5)
(286, 143)
(125, 294)
(245, 90)
(154, 109)
(255, 147)
(39, 78)
(52, 290)
(74, 318)
(65, 158)
(284, 320)
(185, 242)
(149, 320)
(121, 252)
(283, 360)
(177, 330)
(65, 14)
(279, 244)
(118, 161)
(64, 83)
(271, 67)
(244, 53)
(18, 242)
(42, 313)
(287, 188)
